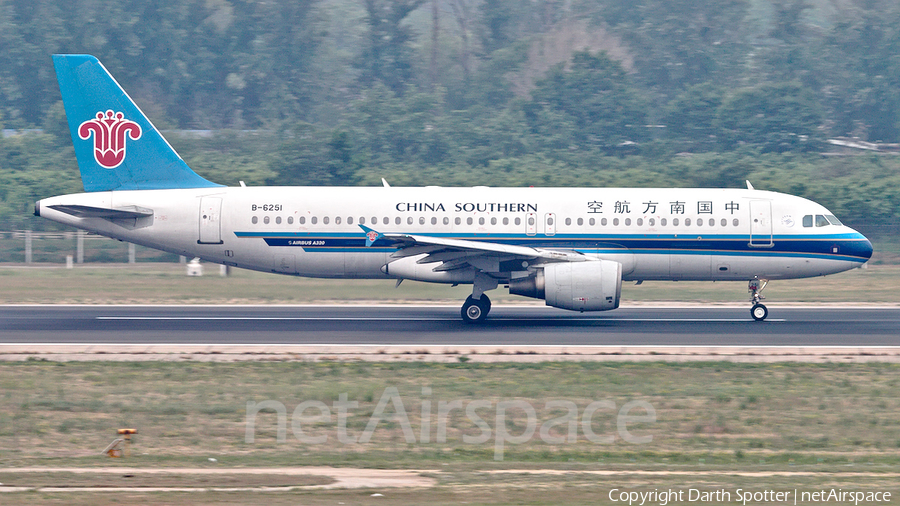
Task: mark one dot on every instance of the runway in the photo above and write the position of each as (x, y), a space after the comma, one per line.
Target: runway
(441, 325)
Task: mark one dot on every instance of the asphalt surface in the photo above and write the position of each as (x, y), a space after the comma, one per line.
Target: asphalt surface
(441, 325)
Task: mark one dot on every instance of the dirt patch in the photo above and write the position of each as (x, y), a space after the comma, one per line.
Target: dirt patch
(176, 479)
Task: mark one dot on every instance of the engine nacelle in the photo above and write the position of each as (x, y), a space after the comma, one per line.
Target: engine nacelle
(579, 286)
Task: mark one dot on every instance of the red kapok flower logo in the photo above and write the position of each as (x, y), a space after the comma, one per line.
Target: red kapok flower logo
(109, 131)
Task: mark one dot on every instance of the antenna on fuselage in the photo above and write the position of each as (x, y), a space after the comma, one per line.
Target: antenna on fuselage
(385, 183)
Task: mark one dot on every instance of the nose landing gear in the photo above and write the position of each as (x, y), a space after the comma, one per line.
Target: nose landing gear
(759, 312)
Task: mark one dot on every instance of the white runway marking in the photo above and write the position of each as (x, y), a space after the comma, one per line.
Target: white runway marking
(336, 318)
(266, 318)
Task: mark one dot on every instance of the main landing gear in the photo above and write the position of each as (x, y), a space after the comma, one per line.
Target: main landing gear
(478, 305)
(476, 310)
(759, 312)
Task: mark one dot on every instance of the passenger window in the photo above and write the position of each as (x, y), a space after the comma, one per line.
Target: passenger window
(350, 220)
(278, 220)
(531, 221)
(362, 220)
(325, 220)
(337, 221)
(615, 222)
(518, 221)
(724, 222)
(712, 222)
(254, 220)
(481, 221)
(699, 222)
(687, 222)
(736, 222)
(433, 220)
(640, 221)
(313, 220)
(674, 222)
(580, 221)
(493, 221)
(807, 221)
(398, 220)
(266, 220)
(592, 222)
(651, 221)
(457, 220)
(290, 220)
(302, 220)
(409, 220)
(386, 220)
(662, 222)
(821, 221)
(506, 221)
(568, 222)
(422, 220)
(627, 221)
(603, 221)
(446, 220)
(468, 221)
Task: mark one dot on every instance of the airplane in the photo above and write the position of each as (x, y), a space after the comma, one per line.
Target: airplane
(571, 247)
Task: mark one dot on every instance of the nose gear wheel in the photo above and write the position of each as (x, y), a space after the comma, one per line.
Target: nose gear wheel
(759, 312)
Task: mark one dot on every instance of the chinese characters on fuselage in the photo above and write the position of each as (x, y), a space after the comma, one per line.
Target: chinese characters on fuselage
(675, 207)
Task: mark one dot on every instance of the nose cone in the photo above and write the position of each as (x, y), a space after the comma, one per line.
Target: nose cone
(862, 248)
(867, 250)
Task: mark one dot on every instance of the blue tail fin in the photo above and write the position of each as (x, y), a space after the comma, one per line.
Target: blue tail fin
(116, 145)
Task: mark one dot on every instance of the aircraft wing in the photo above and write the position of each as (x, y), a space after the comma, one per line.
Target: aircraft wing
(459, 253)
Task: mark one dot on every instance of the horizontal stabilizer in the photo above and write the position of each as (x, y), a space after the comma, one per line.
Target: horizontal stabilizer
(123, 213)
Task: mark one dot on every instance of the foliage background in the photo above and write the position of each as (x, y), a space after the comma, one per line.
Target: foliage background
(469, 92)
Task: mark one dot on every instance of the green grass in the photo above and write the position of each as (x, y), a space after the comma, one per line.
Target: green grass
(728, 414)
(828, 419)
(162, 283)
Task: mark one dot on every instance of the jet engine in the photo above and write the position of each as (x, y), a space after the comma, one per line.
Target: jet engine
(579, 286)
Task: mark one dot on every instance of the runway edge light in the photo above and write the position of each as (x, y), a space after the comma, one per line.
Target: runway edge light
(119, 446)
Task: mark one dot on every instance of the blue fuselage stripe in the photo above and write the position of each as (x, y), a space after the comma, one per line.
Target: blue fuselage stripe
(852, 247)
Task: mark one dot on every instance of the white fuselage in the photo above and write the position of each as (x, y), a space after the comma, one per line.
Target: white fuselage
(656, 234)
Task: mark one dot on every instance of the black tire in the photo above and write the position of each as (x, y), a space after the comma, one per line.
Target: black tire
(759, 312)
(475, 310)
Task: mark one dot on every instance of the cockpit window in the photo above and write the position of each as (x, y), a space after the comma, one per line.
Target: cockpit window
(820, 220)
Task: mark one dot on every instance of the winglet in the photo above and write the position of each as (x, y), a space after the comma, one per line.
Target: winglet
(371, 235)
(749, 186)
